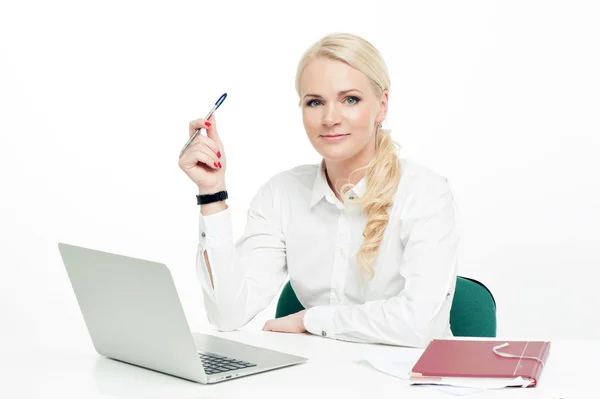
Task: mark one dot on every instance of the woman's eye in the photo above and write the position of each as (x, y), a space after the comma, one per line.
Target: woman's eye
(354, 100)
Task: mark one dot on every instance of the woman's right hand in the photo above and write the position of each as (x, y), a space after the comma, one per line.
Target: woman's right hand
(204, 160)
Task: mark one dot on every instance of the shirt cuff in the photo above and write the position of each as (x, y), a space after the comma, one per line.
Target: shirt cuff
(215, 229)
(215, 233)
(318, 320)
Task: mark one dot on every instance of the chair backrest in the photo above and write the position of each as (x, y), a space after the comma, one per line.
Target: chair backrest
(473, 312)
(288, 302)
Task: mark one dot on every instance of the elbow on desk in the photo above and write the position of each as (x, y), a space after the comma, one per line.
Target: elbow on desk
(227, 327)
(418, 327)
(424, 333)
(420, 339)
(394, 332)
(418, 335)
(226, 324)
(225, 315)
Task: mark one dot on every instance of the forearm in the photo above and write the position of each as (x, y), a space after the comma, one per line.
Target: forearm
(219, 268)
(240, 279)
(206, 210)
(394, 322)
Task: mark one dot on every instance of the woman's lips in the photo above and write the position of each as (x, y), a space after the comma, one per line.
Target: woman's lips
(335, 138)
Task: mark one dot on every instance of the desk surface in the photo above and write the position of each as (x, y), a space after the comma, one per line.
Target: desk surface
(335, 368)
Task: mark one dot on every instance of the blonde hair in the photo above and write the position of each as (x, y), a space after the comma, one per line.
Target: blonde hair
(382, 174)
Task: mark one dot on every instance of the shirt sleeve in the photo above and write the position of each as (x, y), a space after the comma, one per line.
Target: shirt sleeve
(247, 274)
(420, 312)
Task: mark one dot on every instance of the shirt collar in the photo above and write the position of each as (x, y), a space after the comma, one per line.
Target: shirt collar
(321, 188)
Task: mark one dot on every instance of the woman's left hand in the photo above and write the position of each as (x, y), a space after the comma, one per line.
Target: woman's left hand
(293, 323)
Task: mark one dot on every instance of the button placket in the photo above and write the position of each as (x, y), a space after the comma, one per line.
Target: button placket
(349, 218)
(340, 260)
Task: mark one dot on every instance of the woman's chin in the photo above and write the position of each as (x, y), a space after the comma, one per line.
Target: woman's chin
(337, 153)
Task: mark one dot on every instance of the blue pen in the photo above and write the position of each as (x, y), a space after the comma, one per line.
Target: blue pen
(217, 105)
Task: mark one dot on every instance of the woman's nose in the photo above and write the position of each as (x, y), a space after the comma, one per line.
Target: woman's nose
(332, 115)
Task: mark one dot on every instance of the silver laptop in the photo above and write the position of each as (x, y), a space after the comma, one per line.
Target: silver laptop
(133, 314)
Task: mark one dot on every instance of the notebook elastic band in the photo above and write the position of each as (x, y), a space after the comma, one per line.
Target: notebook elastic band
(504, 345)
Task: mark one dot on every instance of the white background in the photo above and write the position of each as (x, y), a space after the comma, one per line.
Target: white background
(500, 97)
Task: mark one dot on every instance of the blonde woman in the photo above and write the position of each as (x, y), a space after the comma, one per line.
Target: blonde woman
(368, 240)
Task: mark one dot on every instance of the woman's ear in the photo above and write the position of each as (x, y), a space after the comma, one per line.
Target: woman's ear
(383, 106)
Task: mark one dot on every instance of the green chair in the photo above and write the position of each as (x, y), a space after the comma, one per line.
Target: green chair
(473, 312)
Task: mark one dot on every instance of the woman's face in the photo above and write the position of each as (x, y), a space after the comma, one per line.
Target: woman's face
(339, 123)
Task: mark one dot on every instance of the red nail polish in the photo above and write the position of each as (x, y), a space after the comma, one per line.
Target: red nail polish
(220, 166)
(219, 154)
(207, 124)
(216, 166)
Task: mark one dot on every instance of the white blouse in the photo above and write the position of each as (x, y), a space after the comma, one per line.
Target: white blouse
(297, 228)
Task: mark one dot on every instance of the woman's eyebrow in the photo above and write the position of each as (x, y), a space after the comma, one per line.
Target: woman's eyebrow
(341, 93)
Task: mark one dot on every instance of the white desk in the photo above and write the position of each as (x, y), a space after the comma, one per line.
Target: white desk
(335, 370)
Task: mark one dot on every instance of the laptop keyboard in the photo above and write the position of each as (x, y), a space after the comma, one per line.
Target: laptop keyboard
(214, 364)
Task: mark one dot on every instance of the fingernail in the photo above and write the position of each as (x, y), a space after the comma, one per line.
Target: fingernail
(219, 154)
(220, 166)
(207, 124)
(216, 166)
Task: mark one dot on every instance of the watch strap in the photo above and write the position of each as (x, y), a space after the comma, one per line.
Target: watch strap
(210, 198)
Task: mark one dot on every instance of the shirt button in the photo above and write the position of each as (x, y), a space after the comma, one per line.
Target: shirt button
(323, 333)
(351, 198)
(203, 234)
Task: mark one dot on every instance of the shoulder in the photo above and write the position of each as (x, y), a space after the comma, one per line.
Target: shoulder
(301, 175)
(421, 187)
(298, 180)
(417, 175)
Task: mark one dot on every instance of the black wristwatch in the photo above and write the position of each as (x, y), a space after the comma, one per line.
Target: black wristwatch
(209, 198)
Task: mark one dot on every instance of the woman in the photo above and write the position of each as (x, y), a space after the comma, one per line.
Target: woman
(368, 240)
